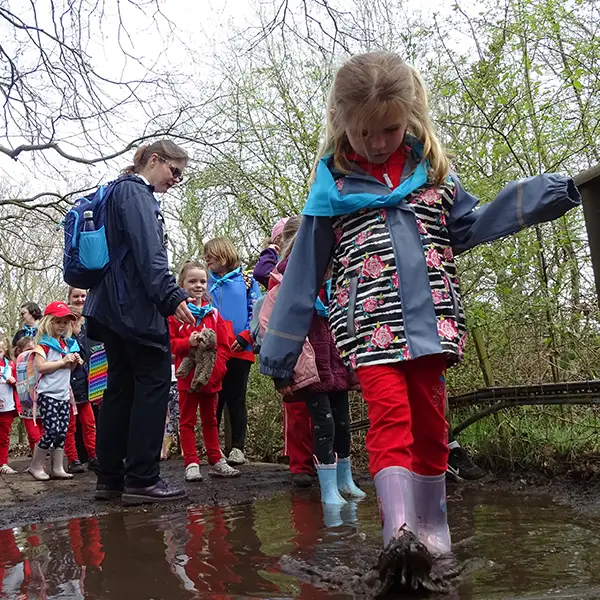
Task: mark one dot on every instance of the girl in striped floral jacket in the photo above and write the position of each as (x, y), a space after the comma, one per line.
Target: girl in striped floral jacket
(386, 209)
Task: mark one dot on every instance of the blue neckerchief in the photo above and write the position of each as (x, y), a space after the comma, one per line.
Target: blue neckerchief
(322, 310)
(30, 331)
(6, 370)
(325, 200)
(72, 345)
(200, 311)
(219, 281)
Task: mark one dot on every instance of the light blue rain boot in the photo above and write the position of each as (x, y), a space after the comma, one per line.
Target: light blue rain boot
(345, 482)
(332, 515)
(328, 481)
(394, 486)
(349, 513)
(432, 517)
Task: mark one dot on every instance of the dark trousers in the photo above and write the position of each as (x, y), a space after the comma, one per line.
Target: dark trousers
(330, 414)
(233, 395)
(133, 411)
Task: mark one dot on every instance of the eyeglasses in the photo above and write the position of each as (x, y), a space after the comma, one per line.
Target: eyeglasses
(176, 172)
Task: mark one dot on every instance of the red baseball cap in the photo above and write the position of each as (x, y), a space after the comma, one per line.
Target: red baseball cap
(59, 309)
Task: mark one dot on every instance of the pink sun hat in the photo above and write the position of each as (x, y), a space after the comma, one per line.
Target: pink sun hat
(278, 228)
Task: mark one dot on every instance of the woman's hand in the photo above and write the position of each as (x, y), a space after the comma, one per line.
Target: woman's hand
(286, 391)
(183, 313)
(11, 380)
(194, 339)
(235, 347)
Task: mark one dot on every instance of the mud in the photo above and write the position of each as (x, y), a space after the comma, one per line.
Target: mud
(404, 567)
(24, 500)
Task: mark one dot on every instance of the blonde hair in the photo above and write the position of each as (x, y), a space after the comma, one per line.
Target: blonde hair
(365, 88)
(288, 235)
(223, 250)
(45, 328)
(7, 347)
(164, 148)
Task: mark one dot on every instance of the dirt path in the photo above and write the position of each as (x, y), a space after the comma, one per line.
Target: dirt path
(24, 500)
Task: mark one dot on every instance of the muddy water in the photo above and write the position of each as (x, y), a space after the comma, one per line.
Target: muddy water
(526, 547)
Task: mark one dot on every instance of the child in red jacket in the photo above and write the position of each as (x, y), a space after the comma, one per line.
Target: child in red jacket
(193, 279)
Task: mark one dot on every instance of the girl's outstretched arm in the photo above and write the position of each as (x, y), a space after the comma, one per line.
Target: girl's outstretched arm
(520, 204)
(294, 307)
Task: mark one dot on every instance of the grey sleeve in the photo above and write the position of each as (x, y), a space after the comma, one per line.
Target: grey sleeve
(520, 204)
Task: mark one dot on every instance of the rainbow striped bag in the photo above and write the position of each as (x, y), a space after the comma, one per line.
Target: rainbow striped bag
(98, 373)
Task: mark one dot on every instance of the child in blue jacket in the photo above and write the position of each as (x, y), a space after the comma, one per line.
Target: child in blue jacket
(233, 294)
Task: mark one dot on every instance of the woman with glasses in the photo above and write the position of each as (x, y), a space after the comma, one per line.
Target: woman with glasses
(30, 316)
(128, 312)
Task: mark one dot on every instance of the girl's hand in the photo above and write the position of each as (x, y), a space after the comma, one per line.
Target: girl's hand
(286, 391)
(69, 359)
(194, 343)
(79, 359)
(235, 347)
(11, 380)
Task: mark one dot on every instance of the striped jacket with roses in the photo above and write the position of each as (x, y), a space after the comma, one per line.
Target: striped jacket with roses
(395, 292)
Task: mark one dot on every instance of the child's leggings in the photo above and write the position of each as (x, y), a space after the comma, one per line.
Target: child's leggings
(6, 419)
(85, 415)
(34, 431)
(330, 414)
(406, 403)
(188, 416)
(55, 419)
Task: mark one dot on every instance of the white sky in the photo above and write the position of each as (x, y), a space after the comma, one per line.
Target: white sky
(201, 27)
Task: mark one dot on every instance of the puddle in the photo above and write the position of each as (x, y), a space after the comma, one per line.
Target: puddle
(529, 548)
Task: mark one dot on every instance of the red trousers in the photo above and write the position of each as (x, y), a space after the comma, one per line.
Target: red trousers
(34, 431)
(6, 419)
(86, 542)
(85, 414)
(297, 437)
(406, 403)
(188, 416)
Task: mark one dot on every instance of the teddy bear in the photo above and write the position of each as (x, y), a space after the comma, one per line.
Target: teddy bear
(201, 358)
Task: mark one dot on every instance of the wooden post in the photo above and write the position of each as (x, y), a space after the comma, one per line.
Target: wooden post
(482, 355)
(588, 184)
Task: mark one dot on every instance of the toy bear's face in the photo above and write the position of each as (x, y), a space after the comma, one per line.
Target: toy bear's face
(208, 338)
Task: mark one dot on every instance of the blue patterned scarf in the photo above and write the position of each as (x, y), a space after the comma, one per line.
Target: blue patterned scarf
(219, 281)
(200, 311)
(72, 345)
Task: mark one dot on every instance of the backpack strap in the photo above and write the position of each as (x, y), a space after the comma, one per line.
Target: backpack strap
(247, 280)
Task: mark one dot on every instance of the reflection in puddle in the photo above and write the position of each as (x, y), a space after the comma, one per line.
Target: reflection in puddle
(530, 547)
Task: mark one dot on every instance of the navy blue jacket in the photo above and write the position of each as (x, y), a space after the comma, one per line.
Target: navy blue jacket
(139, 291)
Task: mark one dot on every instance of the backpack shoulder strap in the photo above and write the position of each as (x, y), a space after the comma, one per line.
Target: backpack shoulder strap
(247, 280)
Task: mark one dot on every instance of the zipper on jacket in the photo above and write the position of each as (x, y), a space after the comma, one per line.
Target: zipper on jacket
(453, 295)
(352, 307)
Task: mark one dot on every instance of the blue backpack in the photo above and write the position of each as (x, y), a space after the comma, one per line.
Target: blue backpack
(86, 258)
